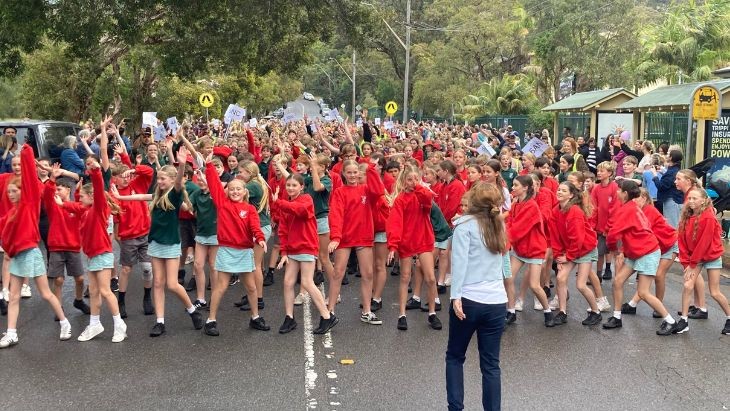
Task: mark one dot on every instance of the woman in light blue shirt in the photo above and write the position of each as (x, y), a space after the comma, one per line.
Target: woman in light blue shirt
(479, 300)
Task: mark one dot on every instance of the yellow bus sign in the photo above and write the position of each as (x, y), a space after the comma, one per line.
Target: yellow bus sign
(706, 103)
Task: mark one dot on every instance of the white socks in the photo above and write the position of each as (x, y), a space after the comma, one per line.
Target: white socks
(190, 309)
(94, 320)
(117, 319)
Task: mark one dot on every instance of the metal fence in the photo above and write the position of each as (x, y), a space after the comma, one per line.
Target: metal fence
(579, 124)
(671, 127)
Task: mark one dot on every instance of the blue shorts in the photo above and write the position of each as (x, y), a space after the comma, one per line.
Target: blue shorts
(669, 254)
(323, 225)
(101, 262)
(234, 260)
(647, 264)
(28, 263)
(206, 240)
(380, 237)
(589, 257)
(267, 232)
(442, 245)
(303, 258)
(506, 266)
(158, 250)
(537, 261)
(714, 264)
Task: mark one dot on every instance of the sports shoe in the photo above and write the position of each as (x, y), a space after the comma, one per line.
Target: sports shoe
(211, 329)
(412, 304)
(518, 305)
(65, 332)
(655, 314)
(3, 307)
(627, 309)
(402, 323)
(244, 301)
(613, 322)
(189, 259)
(114, 284)
(326, 325)
(289, 325)
(424, 308)
(537, 306)
(607, 274)
(247, 306)
(318, 277)
(8, 341)
(200, 305)
(560, 318)
(441, 288)
(510, 318)
(726, 329)
(547, 291)
(345, 280)
(149, 309)
(434, 322)
(269, 278)
(371, 318)
(82, 306)
(376, 305)
(25, 291)
(395, 271)
(234, 280)
(554, 303)
(299, 299)
(603, 305)
(691, 309)
(192, 284)
(549, 319)
(157, 330)
(698, 315)
(682, 326)
(90, 332)
(198, 320)
(86, 292)
(447, 281)
(123, 309)
(593, 319)
(667, 329)
(258, 324)
(120, 333)
(181, 276)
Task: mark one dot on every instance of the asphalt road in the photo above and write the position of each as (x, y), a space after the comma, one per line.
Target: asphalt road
(571, 367)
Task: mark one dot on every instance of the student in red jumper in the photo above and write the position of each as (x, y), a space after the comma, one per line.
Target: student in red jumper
(20, 237)
(299, 251)
(631, 228)
(527, 237)
(700, 246)
(574, 245)
(547, 201)
(410, 233)
(351, 227)
(238, 228)
(449, 198)
(605, 199)
(542, 165)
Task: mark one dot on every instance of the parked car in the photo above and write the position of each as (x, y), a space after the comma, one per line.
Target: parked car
(45, 136)
(324, 109)
(308, 96)
(278, 113)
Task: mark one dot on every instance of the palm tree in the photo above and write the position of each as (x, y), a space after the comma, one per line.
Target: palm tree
(509, 94)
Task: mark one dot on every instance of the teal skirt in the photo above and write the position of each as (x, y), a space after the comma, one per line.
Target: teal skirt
(589, 257)
(101, 262)
(647, 264)
(234, 260)
(158, 250)
(302, 258)
(28, 263)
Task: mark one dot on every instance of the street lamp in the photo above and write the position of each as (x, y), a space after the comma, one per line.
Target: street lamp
(352, 79)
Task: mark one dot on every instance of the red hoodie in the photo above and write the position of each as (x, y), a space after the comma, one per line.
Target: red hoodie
(547, 201)
(298, 218)
(273, 184)
(381, 213)
(409, 229)
(525, 229)
(351, 216)
(449, 199)
(252, 147)
(702, 245)
(550, 183)
(63, 225)
(134, 219)
(20, 223)
(605, 199)
(238, 222)
(631, 227)
(665, 234)
(571, 233)
(388, 182)
(94, 220)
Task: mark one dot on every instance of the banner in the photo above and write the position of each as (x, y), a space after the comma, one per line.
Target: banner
(487, 149)
(333, 115)
(253, 123)
(535, 146)
(149, 118)
(289, 117)
(172, 125)
(377, 121)
(234, 113)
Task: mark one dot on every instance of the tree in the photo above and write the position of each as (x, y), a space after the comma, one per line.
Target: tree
(506, 95)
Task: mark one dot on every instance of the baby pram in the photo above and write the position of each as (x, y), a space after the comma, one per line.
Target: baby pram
(716, 178)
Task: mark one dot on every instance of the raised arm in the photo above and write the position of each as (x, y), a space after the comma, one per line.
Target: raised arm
(182, 157)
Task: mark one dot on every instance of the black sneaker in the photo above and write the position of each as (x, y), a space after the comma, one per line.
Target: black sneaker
(147, 305)
(612, 322)
(86, 292)
(434, 322)
(412, 304)
(375, 305)
(122, 309)
(698, 315)
(549, 319)
(402, 323)
(726, 330)
(345, 281)
(682, 326)
(326, 325)
(157, 330)
(655, 314)
(667, 329)
(627, 309)
(269, 278)
(3, 307)
(593, 319)
(561, 318)
(395, 272)
(258, 324)
(318, 278)
(691, 309)
(608, 274)
(181, 277)
(289, 325)
(441, 289)
(244, 301)
(211, 329)
(192, 284)
(547, 291)
(198, 320)
(510, 318)
(234, 280)
(200, 305)
(424, 308)
(260, 304)
(84, 308)
(114, 285)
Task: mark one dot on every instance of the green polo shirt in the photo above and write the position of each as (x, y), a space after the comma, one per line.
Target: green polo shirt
(321, 199)
(206, 215)
(165, 224)
(255, 196)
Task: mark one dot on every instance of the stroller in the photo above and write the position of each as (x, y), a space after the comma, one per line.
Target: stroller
(717, 185)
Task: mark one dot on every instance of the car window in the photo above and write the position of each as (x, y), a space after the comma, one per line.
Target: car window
(53, 138)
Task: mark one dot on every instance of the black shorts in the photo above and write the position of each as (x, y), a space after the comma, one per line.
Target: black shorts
(188, 231)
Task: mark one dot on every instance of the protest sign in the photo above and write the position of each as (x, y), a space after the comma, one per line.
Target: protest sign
(535, 146)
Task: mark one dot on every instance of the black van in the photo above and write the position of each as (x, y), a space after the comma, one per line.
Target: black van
(45, 136)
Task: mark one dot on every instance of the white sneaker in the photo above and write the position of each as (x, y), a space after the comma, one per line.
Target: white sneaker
(603, 304)
(537, 305)
(90, 332)
(25, 291)
(189, 259)
(518, 305)
(554, 303)
(447, 281)
(120, 332)
(8, 341)
(299, 299)
(65, 332)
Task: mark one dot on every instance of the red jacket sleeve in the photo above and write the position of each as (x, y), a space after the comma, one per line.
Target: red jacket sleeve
(336, 215)
(217, 194)
(126, 160)
(394, 229)
(283, 230)
(576, 234)
(252, 147)
(31, 193)
(521, 224)
(556, 242)
(74, 207)
(101, 207)
(703, 241)
(255, 225)
(424, 196)
(374, 184)
(615, 230)
(142, 179)
(299, 209)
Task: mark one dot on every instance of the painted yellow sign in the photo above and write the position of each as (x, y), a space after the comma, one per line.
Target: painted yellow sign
(706, 104)
(206, 100)
(391, 107)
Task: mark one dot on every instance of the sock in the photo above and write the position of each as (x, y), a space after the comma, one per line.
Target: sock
(377, 300)
(6, 293)
(254, 318)
(161, 320)
(117, 319)
(208, 321)
(685, 318)
(433, 313)
(402, 316)
(511, 310)
(94, 320)
(147, 292)
(12, 332)
(416, 298)
(632, 304)
(122, 294)
(703, 309)
(439, 284)
(669, 319)
(438, 300)
(64, 322)
(203, 301)
(617, 314)
(547, 311)
(190, 309)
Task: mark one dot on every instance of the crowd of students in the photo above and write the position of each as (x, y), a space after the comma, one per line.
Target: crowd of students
(321, 198)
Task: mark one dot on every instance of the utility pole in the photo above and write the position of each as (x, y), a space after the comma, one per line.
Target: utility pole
(408, 62)
(354, 73)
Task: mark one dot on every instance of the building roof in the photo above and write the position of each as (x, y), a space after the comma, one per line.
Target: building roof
(723, 72)
(587, 100)
(670, 98)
